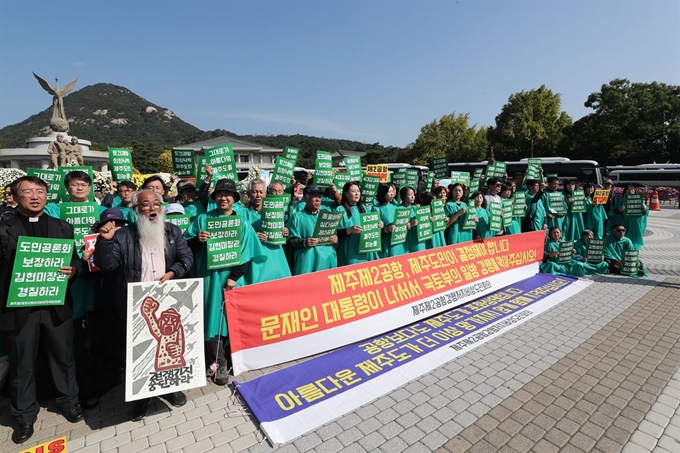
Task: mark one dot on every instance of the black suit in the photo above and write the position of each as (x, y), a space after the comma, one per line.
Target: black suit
(22, 328)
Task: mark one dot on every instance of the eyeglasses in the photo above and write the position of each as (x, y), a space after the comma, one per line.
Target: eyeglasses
(147, 205)
(79, 185)
(620, 230)
(123, 190)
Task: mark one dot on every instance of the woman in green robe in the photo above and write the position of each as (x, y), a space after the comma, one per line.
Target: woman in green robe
(482, 230)
(307, 255)
(456, 210)
(574, 268)
(595, 218)
(573, 222)
(275, 264)
(507, 192)
(438, 239)
(349, 229)
(635, 225)
(385, 196)
(614, 245)
(408, 198)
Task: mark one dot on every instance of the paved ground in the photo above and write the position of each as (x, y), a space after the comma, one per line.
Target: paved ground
(599, 372)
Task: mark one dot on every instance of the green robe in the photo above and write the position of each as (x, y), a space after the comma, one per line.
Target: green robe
(309, 259)
(455, 234)
(595, 218)
(573, 268)
(194, 209)
(616, 215)
(412, 244)
(573, 224)
(275, 265)
(482, 227)
(215, 320)
(535, 212)
(613, 250)
(387, 213)
(556, 221)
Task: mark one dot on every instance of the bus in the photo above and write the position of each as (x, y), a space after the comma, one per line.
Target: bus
(582, 170)
(658, 177)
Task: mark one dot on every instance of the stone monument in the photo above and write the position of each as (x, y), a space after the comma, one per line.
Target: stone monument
(58, 123)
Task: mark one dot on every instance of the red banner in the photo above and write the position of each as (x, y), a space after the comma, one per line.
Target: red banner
(350, 303)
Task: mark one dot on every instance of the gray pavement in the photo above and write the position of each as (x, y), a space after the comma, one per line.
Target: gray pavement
(598, 372)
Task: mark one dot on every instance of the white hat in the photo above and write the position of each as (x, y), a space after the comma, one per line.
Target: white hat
(173, 208)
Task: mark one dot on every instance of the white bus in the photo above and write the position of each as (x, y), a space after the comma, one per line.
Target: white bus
(582, 170)
(664, 177)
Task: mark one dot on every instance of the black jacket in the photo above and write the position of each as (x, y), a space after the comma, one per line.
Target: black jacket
(123, 254)
(10, 230)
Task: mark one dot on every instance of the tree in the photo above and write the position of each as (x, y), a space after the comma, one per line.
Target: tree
(165, 162)
(632, 123)
(450, 136)
(530, 120)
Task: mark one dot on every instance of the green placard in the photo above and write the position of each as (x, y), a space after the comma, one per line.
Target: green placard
(424, 223)
(474, 185)
(594, 250)
(477, 173)
(429, 182)
(534, 161)
(327, 226)
(183, 162)
(182, 221)
(460, 177)
(437, 210)
(629, 265)
(340, 179)
(221, 158)
(66, 170)
(273, 218)
(470, 218)
(495, 216)
(224, 243)
(565, 252)
(353, 167)
(507, 212)
(36, 280)
(54, 180)
(399, 178)
(291, 153)
(519, 204)
(495, 170)
(369, 188)
(534, 172)
(412, 178)
(323, 174)
(579, 201)
(551, 175)
(370, 240)
(556, 202)
(120, 160)
(440, 167)
(81, 216)
(402, 217)
(284, 171)
(634, 205)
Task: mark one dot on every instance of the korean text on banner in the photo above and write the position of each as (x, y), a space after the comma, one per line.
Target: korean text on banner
(90, 242)
(81, 216)
(120, 160)
(53, 178)
(565, 252)
(353, 167)
(439, 215)
(183, 162)
(556, 202)
(340, 179)
(495, 170)
(424, 227)
(460, 177)
(495, 216)
(291, 153)
(273, 218)
(370, 239)
(470, 219)
(369, 187)
(180, 221)
(579, 202)
(323, 173)
(634, 204)
(402, 217)
(519, 204)
(224, 243)
(326, 226)
(629, 266)
(36, 280)
(221, 158)
(507, 212)
(440, 167)
(601, 196)
(595, 250)
(378, 170)
(284, 171)
(351, 303)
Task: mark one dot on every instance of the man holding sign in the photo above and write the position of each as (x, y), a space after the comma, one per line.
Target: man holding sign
(149, 250)
(23, 326)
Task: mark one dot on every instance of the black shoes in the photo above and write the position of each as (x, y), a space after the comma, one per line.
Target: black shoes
(177, 399)
(140, 410)
(23, 432)
(74, 413)
(221, 375)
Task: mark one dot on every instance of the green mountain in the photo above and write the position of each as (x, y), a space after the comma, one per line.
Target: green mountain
(108, 114)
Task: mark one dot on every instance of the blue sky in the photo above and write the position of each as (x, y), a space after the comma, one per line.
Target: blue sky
(373, 71)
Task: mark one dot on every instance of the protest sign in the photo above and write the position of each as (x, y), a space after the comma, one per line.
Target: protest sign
(291, 153)
(120, 160)
(424, 227)
(402, 217)
(437, 211)
(629, 265)
(86, 169)
(507, 212)
(594, 250)
(90, 242)
(579, 202)
(601, 196)
(534, 169)
(353, 167)
(221, 159)
(474, 185)
(369, 187)
(323, 174)
(327, 226)
(284, 171)
(183, 162)
(377, 170)
(440, 167)
(36, 280)
(634, 205)
(412, 178)
(495, 216)
(181, 221)
(399, 177)
(460, 177)
(164, 338)
(82, 216)
(556, 202)
(370, 239)
(53, 178)
(273, 218)
(565, 252)
(429, 182)
(519, 204)
(224, 243)
(470, 218)
(340, 179)
(51, 446)
(495, 170)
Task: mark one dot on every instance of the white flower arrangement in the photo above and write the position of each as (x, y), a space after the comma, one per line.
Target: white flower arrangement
(7, 176)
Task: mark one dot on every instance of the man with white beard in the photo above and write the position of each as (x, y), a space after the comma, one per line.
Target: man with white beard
(149, 250)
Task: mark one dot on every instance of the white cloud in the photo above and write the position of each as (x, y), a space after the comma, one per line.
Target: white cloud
(79, 64)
